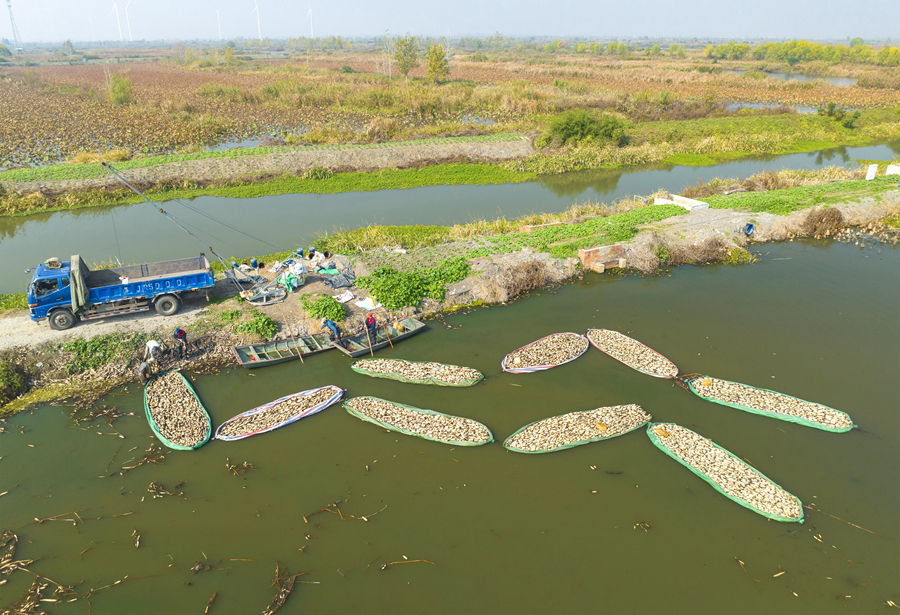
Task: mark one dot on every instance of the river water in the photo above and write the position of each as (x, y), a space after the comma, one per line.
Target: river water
(137, 233)
(509, 532)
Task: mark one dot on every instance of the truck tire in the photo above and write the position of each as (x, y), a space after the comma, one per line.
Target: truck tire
(62, 319)
(167, 305)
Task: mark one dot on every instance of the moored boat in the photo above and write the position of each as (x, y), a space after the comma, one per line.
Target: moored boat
(272, 353)
(385, 335)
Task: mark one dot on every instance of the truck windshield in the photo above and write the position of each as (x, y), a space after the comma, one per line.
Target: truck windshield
(45, 287)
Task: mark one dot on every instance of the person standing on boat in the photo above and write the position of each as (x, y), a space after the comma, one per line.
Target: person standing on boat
(334, 331)
(370, 328)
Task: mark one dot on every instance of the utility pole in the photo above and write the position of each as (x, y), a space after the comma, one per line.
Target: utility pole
(16, 38)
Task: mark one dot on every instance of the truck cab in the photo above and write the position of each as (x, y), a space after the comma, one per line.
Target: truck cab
(49, 289)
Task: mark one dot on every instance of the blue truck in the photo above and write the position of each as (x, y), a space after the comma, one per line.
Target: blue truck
(65, 292)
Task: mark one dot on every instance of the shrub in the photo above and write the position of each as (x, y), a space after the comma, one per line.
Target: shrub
(120, 90)
(323, 306)
(318, 173)
(100, 350)
(12, 384)
(577, 126)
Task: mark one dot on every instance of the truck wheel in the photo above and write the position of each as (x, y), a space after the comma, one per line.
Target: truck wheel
(167, 305)
(62, 319)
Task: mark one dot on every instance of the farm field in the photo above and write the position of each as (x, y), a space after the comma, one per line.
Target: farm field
(178, 103)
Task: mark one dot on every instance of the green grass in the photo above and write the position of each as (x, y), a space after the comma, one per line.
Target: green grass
(385, 179)
(783, 202)
(102, 349)
(685, 159)
(13, 301)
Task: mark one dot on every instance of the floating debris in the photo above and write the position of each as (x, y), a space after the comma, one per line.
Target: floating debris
(576, 428)
(769, 403)
(159, 491)
(29, 603)
(175, 413)
(419, 372)
(278, 413)
(426, 424)
(239, 468)
(153, 455)
(547, 352)
(285, 583)
(632, 353)
(727, 474)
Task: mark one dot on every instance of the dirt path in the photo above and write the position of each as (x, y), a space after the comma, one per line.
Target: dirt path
(299, 160)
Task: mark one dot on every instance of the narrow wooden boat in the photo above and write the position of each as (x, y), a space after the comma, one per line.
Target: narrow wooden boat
(272, 353)
(576, 428)
(358, 345)
(278, 413)
(156, 430)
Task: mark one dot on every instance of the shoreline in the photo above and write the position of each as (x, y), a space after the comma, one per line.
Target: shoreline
(700, 237)
(267, 171)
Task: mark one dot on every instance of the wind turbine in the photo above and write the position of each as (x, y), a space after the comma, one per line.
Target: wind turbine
(128, 22)
(116, 9)
(256, 10)
(219, 21)
(309, 17)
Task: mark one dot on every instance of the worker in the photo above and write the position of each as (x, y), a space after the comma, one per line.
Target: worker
(370, 328)
(334, 332)
(180, 336)
(151, 351)
(145, 371)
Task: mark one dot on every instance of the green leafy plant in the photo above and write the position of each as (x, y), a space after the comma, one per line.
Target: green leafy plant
(260, 325)
(100, 350)
(229, 316)
(394, 289)
(323, 306)
(318, 173)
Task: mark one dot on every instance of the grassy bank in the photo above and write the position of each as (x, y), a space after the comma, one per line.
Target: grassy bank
(15, 204)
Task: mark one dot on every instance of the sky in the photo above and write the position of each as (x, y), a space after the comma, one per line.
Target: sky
(95, 20)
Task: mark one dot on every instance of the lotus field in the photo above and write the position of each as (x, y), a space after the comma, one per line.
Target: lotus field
(54, 111)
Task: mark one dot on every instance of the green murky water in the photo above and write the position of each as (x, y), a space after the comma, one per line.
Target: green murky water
(510, 532)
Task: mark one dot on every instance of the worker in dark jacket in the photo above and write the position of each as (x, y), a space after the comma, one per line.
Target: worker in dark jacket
(180, 336)
(334, 332)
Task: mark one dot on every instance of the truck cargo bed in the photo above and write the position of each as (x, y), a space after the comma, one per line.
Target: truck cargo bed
(146, 272)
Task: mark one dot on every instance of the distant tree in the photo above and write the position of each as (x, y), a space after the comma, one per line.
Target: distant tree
(228, 56)
(673, 49)
(188, 56)
(655, 50)
(682, 52)
(4, 52)
(67, 49)
(549, 48)
(120, 90)
(406, 53)
(580, 47)
(388, 43)
(856, 41)
(438, 64)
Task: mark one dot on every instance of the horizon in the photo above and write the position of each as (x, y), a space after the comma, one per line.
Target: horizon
(94, 21)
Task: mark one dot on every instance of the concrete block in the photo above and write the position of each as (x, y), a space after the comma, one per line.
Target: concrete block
(870, 174)
(688, 204)
(532, 227)
(893, 169)
(600, 254)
